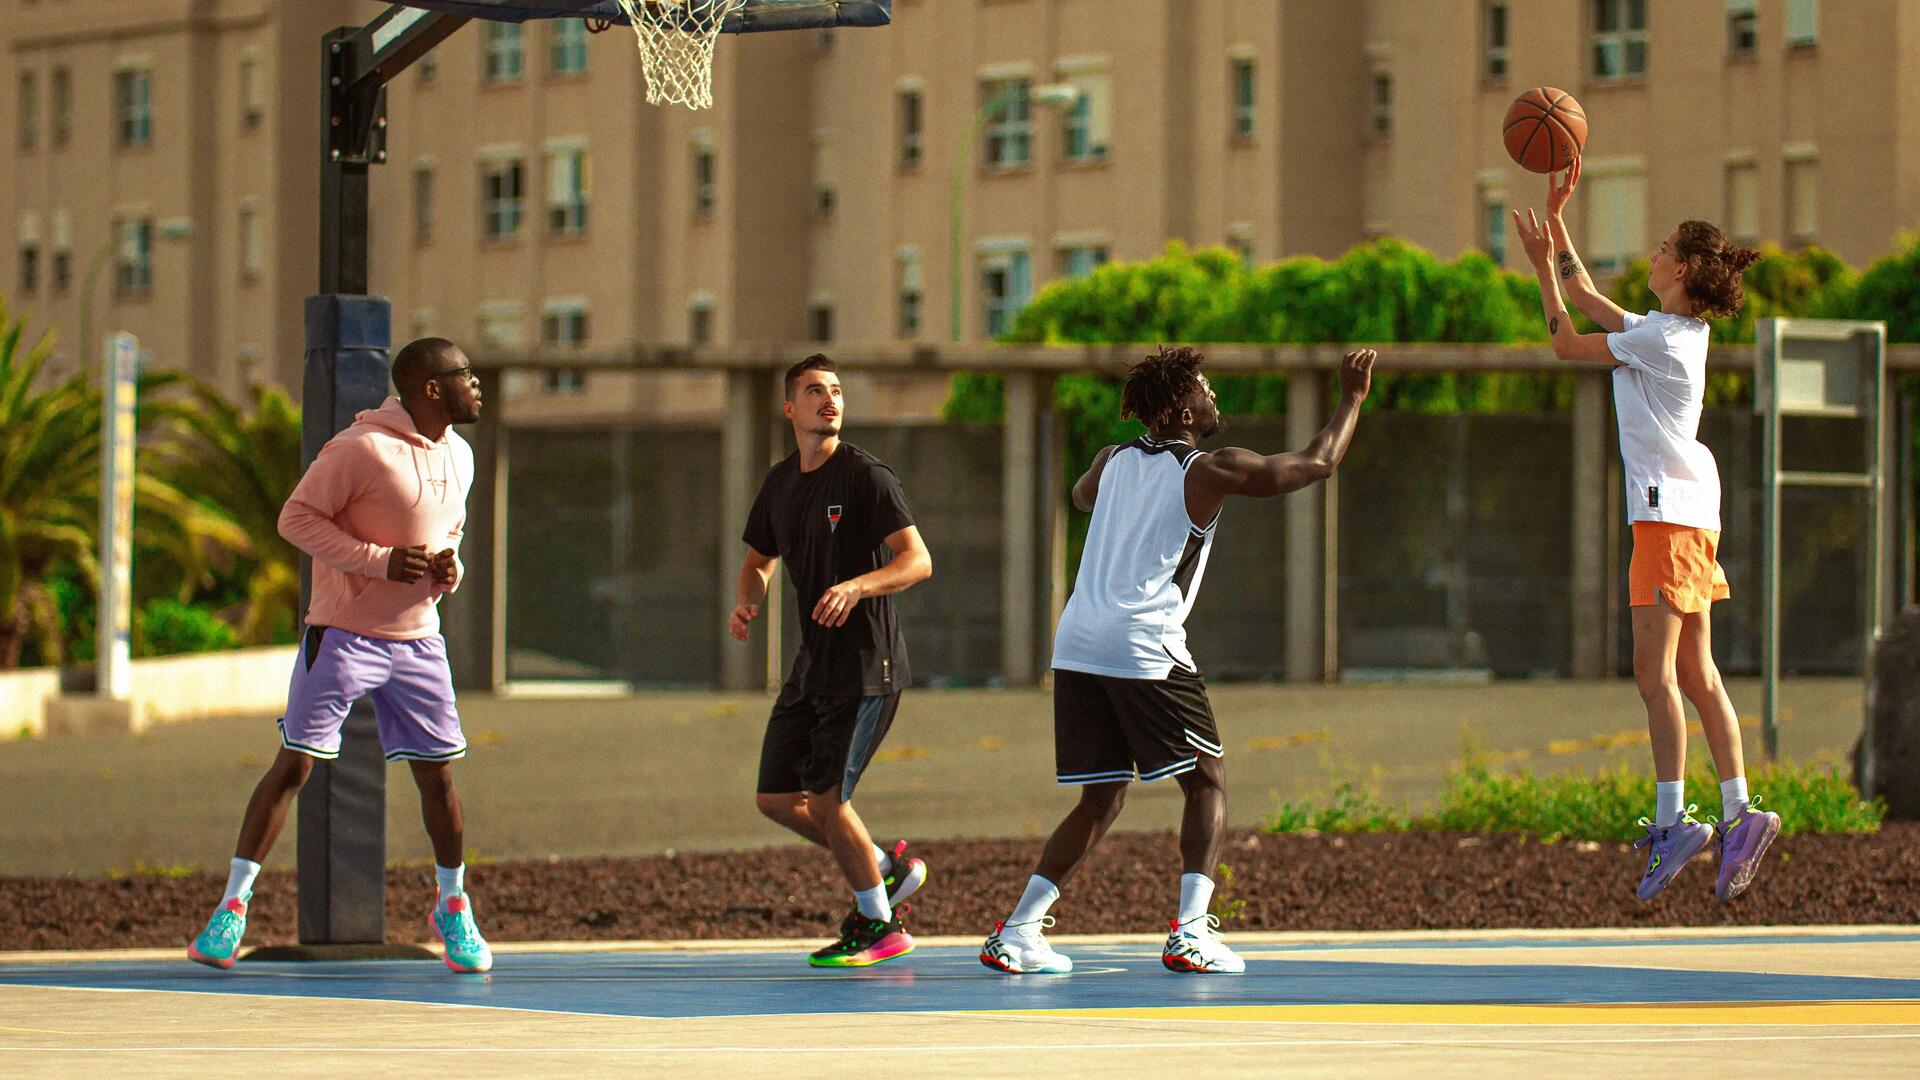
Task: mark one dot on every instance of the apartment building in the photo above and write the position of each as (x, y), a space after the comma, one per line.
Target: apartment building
(532, 200)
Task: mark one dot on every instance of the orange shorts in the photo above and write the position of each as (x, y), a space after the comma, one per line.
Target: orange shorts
(1676, 562)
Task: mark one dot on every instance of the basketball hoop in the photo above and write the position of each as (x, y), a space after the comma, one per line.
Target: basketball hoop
(676, 47)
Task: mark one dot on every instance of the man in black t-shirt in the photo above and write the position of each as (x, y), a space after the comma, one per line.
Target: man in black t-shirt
(838, 518)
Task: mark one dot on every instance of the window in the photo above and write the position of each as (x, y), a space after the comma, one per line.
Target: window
(1240, 242)
(251, 241)
(500, 324)
(252, 107)
(1009, 130)
(1619, 38)
(1079, 260)
(133, 269)
(569, 54)
(909, 293)
(567, 176)
(912, 122)
(502, 59)
(825, 187)
(563, 325)
(133, 107)
(1803, 200)
(1241, 80)
(501, 188)
(1007, 282)
(820, 322)
(703, 185)
(700, 320)
(1743, 202)
(61, 91)
(29, 252)
(1493, 65)
(1616, 216)
(1803, 23)
(62, 251)
(1380, 106)
(29, 110)
(1743, 27)
(1089, 120)
(1493, 228)
(423, 203)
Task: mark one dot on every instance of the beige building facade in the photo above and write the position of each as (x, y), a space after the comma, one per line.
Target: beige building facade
(532, 202)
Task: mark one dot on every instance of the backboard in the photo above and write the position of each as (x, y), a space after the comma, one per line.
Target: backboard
(754, 16)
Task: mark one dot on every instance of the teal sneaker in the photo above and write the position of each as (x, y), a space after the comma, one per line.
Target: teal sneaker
(467, 951)
(217, 944)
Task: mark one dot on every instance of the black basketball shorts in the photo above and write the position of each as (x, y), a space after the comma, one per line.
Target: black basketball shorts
(815, 742)
(1107, 729)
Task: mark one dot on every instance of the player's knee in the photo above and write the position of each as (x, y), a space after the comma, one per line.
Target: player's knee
(290, 770)
(780, 807)
(1655, 677)
(1105, 799)
(1700, 683)
(433, 777)
(1206, 777)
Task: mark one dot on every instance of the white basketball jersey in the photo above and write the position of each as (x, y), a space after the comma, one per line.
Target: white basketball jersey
(1140, 570)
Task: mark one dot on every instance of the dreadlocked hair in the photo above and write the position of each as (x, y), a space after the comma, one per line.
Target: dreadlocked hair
(1714, 265)
(1158, 387)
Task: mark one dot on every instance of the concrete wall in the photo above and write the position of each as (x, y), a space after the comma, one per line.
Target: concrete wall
(166, 690)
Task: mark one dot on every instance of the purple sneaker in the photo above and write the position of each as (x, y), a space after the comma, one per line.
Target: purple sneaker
(1673, 847)
(1742, 841)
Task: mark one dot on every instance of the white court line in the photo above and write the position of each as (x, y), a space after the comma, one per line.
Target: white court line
(924, 1048)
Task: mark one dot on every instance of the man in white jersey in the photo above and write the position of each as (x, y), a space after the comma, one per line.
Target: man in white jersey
(1128, 700)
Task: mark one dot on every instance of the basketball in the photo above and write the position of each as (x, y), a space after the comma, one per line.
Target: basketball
(1545, 129)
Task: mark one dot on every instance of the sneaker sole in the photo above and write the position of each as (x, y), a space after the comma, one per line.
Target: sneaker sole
(459, 969)
(1744, 879)
(1183, 966)
(988, 960)
(916, 877)
(863, 960)
(199, 957)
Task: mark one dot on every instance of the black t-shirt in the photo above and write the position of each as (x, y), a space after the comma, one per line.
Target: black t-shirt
(829, 526)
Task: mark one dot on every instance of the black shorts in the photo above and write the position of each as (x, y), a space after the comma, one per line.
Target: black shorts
(1107, 729)
(815, 742)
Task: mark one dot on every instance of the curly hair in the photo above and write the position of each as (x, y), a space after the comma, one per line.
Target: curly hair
(1158, 387)
(1714, 265)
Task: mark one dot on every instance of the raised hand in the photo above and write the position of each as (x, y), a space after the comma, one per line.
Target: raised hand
(1558, 192)
(1536, 238)
(1356, 373)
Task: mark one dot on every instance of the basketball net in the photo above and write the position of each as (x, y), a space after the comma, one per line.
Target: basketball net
(676, 47)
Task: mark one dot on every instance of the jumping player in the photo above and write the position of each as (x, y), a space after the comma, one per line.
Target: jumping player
(380, 510)
(1673, 503)
(1128, 700)
(839, 519)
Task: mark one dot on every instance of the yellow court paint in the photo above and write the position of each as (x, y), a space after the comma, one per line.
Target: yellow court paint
(1799, 1013)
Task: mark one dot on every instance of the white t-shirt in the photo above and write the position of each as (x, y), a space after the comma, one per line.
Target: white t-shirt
(1140, 570)
(1657, 390)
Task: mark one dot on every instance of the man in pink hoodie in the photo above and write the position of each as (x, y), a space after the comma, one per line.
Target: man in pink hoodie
(380, 511)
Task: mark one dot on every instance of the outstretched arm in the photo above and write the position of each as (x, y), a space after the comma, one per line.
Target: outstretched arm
(1590, 301)
(1568, 343)
(1234, 471)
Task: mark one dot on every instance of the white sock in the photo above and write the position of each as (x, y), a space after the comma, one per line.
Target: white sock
(240, 879)
(1733, 797)
(1033, 905)
(1196, 892)
(452, 882)
(883, 860)
(873, 902)
(1668, 797)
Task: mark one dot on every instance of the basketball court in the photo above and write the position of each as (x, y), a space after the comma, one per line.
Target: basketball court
(1796, 999)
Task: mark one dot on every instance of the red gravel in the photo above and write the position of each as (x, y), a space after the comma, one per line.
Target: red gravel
(1387, 881)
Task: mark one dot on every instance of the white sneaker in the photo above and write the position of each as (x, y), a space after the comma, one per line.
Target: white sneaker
(1196, 948)
(1022, 951)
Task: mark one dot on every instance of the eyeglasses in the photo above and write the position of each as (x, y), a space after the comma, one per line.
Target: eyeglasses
(465, 372)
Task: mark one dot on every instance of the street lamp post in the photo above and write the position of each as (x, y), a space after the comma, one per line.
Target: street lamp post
(1058, 94)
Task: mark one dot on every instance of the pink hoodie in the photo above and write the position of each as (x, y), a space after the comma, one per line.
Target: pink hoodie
(374, 487)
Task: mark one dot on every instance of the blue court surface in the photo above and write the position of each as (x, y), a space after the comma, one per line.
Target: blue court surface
(1837, 1000)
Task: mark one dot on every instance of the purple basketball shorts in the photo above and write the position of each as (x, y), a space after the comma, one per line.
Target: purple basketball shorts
(410, 683)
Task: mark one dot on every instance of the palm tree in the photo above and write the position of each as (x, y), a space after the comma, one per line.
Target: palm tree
(247, 464)
(50, 441)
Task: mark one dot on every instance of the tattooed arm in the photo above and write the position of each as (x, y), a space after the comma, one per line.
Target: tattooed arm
(1568, 343)
(1591, 301)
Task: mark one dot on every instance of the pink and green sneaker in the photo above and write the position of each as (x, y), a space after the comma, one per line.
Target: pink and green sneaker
(865, 942)
(220, 941)
(467, 951)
